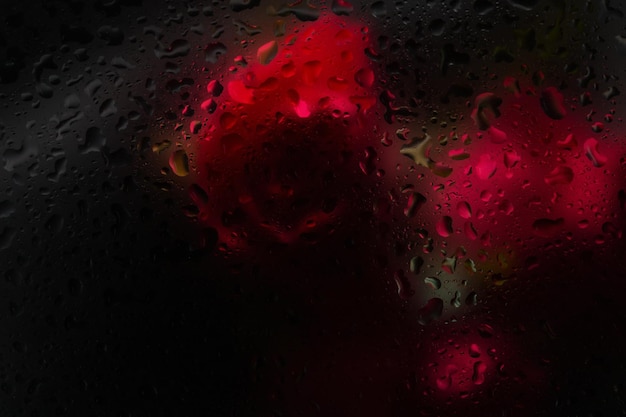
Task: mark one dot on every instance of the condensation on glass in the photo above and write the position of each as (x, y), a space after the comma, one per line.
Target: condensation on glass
(420, 205)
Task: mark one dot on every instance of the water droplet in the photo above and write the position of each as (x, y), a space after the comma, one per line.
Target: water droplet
(311, 71)
(60, 166)
(552, 103)
(288, 70)
(506, 207)
(444, 382)
(364, 77)
(337, 83)
(239, 5)
(195, 126)
(213, 51)
(94, 141)
(597, 127)
(591, 150)
(178, 48)
(433, 282)
(437, 26)
(71, 102)
(474, 350)
(301, 10)
(280, 28)
(512, 84)
(478, 377)
(585, 98)
(342, 7)
(108, 108)
(471, 299)
(179, 163)
(470, 267)
(214, 88)
(456, 301)
(44, 90)
(209, 105)
(404, 286)
(486, 107)
(486, 167)
(161, 146)
(431, 311)
(559, 175)
(416, 263)
(417, 150)
(497, 136)
(449, 264)
(483, 7)
(440, 169)
(228, 120)
(198, 195)
(458, 154)
(378, 9)
(511, 159)
(444, 226)
(267, 52)
(485, 330)
(464, 210)
(611, 92)
(415, 202)
(470, 231)
(568, 143)
(240, 93)
(363, 103)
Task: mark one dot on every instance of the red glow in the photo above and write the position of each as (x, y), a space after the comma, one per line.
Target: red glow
(470, 363)
(526, 171)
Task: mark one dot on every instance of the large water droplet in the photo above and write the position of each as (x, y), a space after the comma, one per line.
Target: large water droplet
(267, 52)
(179, 163)
(417, 150)
(478, 377)
(416, 263)
(591, 150)
(474, 350)
(552, 103)
(559, 175)
(486, 108)
(456, 301)
(444, 226)
(404, 286)
(213, 51)
(415, 202)
(433, 282)
(364, 77)
(464, 210)
(486, 167)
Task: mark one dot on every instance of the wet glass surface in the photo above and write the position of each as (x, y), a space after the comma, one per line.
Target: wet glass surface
(250, 207)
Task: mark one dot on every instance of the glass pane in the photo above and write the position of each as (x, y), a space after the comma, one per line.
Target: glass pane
(255, 207)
